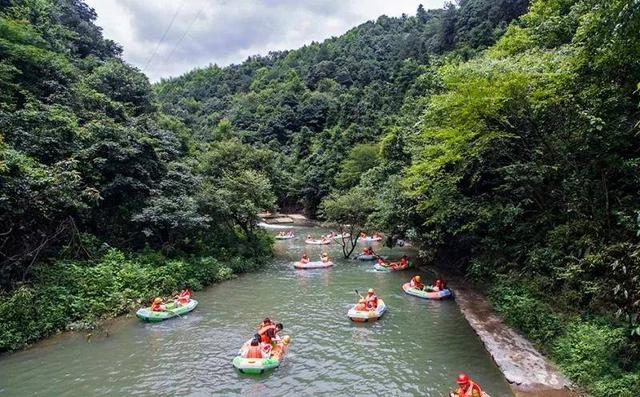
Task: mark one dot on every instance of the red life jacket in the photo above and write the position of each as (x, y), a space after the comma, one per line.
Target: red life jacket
(156, 307)
(185, 296)
(264, 338)
(254, 352)
(372, 301)
(439, 284)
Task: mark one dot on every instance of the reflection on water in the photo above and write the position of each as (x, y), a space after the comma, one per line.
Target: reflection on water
(417, 347)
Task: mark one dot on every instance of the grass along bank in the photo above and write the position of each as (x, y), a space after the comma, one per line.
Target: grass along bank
(594, 351)
(71, 295)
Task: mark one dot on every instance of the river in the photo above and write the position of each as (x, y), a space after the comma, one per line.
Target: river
(417, 348)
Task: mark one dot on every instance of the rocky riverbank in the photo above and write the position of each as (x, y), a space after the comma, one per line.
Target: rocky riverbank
(528, 372)
(278, 219)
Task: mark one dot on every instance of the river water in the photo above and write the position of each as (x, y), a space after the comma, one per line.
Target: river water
(417, 348)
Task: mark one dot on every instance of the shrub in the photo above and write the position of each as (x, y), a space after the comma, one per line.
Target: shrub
(532, 316)
(70, 294)
(589, 351)
(623, 386)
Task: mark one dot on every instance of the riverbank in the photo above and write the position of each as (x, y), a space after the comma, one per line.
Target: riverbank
(77, 295)
(329, 353)
(290, 219)
(526, 369)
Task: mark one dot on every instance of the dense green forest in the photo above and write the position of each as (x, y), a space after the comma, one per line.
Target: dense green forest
(500, 136)
(105, 202)
(503, 146)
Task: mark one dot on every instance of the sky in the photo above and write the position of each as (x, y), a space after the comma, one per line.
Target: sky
(165, 38)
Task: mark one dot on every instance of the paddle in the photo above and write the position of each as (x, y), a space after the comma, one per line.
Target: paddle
(173, 311)
(358, 293)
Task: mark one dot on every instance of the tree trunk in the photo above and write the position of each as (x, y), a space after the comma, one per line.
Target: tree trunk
(353, 241)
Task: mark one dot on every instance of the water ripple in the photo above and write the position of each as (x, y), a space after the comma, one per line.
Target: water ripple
(416, 348)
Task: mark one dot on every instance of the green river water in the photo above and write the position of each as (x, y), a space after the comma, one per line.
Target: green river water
(417, 348)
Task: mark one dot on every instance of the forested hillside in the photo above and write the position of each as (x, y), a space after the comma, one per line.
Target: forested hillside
(501, 137)
(509, 151)
(103, 199)
(312, 105)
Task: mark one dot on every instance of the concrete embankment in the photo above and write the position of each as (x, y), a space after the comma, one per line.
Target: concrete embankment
(528, 372)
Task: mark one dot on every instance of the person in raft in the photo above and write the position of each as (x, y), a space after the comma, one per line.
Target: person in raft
(381, 262)
(157, 306)
(266, 322)
(416, 282)
(269, 333)
(466, 387)
(393, 265)
(368, 251)
(309, 237)
(184, 297)
(361, 306)
(254, 350)
(438, 285)
(371, 299)
(304, 258)
(324, 257)
(404, 261)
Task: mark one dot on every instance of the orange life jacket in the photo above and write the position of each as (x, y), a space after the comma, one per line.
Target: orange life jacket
(416, 284)
(360, 307)
(404, 261)
(254, 352)
(156, 307)
(472, 391)
(264, 338)
(372, 301)
(439, 284)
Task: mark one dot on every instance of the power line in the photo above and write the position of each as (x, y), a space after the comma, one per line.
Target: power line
(175, 47)
(164, 35)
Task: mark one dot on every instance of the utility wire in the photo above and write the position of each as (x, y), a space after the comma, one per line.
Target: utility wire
(175, 47)
(164, 35)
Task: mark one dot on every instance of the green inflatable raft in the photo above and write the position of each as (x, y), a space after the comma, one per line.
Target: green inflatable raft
(173, 310)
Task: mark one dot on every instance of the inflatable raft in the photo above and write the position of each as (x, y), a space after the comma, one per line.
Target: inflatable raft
(445, 293)
(312, 265)
(317, 242)
(284, 237)
(388, 269)
(363, 316)
(146, 314)
(369, 239)
(340, 236)
(367, 257)
(257, 366)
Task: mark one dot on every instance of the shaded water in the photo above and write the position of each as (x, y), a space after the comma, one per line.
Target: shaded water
(417, 347)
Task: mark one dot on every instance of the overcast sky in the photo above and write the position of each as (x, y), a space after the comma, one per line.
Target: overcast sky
(169, 37)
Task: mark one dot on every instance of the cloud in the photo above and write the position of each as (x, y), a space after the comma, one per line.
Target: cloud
(169, 37)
